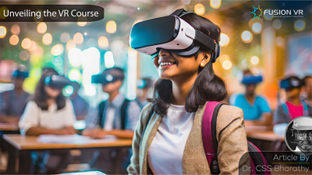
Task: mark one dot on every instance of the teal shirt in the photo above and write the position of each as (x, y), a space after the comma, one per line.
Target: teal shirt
(251, 111)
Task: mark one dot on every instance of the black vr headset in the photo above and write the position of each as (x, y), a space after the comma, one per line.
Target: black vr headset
(172, 34)
(105, 78)
(20, 74)
(57, 81)
(250, 79)
(290, 83)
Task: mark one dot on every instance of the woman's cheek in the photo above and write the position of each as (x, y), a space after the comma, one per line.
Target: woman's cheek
(155, 61)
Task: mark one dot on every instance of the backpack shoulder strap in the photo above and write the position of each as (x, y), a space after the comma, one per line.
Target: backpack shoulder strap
(100, 115)
(285, 108)
(305, 108)
(209, 134)
(123, 113)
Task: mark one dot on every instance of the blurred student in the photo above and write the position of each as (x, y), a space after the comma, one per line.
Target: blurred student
(116, 116)
(307, 87)
(255, 108)
(81, 107)
(13, 102)
(144, 86)
(49, 113)
(293, 107)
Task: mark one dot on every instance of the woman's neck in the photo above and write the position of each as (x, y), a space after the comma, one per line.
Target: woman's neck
(50, 101)
(113, 95)
(181, 89)
(294, 100)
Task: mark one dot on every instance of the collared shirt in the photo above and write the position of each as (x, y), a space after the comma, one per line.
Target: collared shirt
(81, 107)
(133, 112)
(50, 119)
(13, 104)
(251, 111)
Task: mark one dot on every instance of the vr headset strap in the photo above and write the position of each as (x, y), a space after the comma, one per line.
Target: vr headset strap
(305, 108)
(205, 40)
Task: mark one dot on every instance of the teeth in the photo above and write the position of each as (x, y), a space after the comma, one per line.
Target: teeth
(166, 63)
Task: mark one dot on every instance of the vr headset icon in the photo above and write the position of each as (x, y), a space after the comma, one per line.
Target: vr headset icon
(252, 79)
(57, 81)
(290, 83)
(172, 34)
(105, 78)
(20, 74)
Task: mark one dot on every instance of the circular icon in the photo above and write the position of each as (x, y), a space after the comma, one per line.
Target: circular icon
(298, 135)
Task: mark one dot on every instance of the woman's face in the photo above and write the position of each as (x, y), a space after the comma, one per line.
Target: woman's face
(295, 92)
(51, 92)
(171, 66)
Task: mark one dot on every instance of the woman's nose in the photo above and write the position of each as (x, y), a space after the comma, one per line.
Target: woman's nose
(164, 53)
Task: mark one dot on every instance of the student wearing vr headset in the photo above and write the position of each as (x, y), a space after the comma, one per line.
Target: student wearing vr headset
(116, 116)
(48, 112)
(293, 107)
(255, 107)
(144, 87)
(13, 102)
(168, 137)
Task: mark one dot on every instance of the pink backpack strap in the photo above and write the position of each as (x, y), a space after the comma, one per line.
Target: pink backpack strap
(209, 134)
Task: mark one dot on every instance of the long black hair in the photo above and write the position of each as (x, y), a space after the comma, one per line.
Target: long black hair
(207, 86)
(41, 97)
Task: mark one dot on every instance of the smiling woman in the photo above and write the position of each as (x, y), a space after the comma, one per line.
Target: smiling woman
(171, 124)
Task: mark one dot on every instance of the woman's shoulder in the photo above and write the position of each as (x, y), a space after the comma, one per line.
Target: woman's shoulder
(32, 103)
(31, 106)
(68, 101)
(228, 113)
(146, 113)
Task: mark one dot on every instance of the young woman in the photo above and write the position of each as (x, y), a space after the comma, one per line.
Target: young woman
(168, 137)
(48, 112)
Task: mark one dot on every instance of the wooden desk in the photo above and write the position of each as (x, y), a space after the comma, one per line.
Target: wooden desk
(251, 128)
(265, 135)
(267, 140)
(8, 127)
(22, 146)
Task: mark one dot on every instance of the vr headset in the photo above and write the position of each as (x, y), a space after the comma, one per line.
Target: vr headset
(105, 78)
(57, 81)
(172, 34)
(290, 83)
(252, 79)
(20, 74)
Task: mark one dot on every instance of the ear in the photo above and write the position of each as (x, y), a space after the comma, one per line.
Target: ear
(205, 58)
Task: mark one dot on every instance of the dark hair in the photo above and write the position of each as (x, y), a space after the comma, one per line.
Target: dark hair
(305, 79)
(40, 96)
(207, 86)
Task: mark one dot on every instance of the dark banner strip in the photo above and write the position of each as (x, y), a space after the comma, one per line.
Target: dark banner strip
(51, 13)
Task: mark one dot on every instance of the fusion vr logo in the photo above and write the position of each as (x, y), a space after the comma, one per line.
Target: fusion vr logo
(284, 12)
(255, 12)
(279, 13)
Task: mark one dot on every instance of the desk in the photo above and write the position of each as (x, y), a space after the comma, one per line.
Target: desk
(8, 127)
(22, 146)
(265, 135)
(250, 128)
(267, 140)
